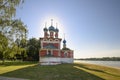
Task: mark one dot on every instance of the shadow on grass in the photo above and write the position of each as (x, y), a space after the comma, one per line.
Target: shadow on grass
(96, 70)
(83, 66)
(56, 72)
(18, 63)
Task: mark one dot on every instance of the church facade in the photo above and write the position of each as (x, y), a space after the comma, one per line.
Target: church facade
(51, 52)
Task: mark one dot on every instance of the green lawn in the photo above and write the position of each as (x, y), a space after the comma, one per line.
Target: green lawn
(81, 71)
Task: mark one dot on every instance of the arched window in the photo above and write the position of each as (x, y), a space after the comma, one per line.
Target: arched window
(65, 54)
(49, 53)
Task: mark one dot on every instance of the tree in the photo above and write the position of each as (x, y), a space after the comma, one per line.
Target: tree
(3, 46)
(21, 49)
(33, 47)
(10, 29)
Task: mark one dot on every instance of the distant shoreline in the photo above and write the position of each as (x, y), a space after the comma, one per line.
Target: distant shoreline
(101, 59)
(95, 60)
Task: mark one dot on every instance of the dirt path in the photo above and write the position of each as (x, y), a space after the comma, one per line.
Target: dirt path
(8, 78)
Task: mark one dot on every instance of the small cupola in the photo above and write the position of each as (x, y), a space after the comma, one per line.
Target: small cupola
(45, 29)
(56, 30)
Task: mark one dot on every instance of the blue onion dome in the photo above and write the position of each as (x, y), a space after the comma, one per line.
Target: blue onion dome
(51, 28)
(64, 41)
(56, 30)
(45, 29)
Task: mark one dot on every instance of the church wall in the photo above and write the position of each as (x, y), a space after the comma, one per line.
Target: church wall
(56, 53)
(43, 53)
(62, 54)
(50, 60)
(66, 60)
(70, 54)
(66, 53)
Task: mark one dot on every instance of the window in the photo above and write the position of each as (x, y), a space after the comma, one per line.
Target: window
(65, 54)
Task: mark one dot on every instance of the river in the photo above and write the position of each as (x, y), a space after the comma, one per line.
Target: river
(115, 64)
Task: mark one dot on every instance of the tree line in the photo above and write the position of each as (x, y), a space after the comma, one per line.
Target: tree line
(102, 59)
(13, 34)
(30, 52)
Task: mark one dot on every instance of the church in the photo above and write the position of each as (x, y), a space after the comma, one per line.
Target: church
(51, 52)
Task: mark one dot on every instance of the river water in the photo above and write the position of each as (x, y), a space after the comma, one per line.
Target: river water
(115, 64)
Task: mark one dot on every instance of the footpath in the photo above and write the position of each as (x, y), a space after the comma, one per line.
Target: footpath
(8, 78)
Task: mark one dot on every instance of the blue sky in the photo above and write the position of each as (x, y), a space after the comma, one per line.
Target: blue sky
(91, 27)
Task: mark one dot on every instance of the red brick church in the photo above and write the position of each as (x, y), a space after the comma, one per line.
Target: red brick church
(51, 52)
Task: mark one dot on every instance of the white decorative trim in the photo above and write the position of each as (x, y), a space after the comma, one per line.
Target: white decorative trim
(54, 60)
(50, 41)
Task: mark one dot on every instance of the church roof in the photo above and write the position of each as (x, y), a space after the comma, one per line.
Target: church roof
(65, 49)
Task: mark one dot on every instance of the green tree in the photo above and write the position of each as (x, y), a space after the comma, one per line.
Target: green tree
(21, 49)
(3, 47)
(33, 47)
(11, 29)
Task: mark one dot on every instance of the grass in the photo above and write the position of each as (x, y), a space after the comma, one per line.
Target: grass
(76, 71)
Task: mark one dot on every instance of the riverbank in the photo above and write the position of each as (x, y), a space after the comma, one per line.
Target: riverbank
(76, 71)
(114, 64)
